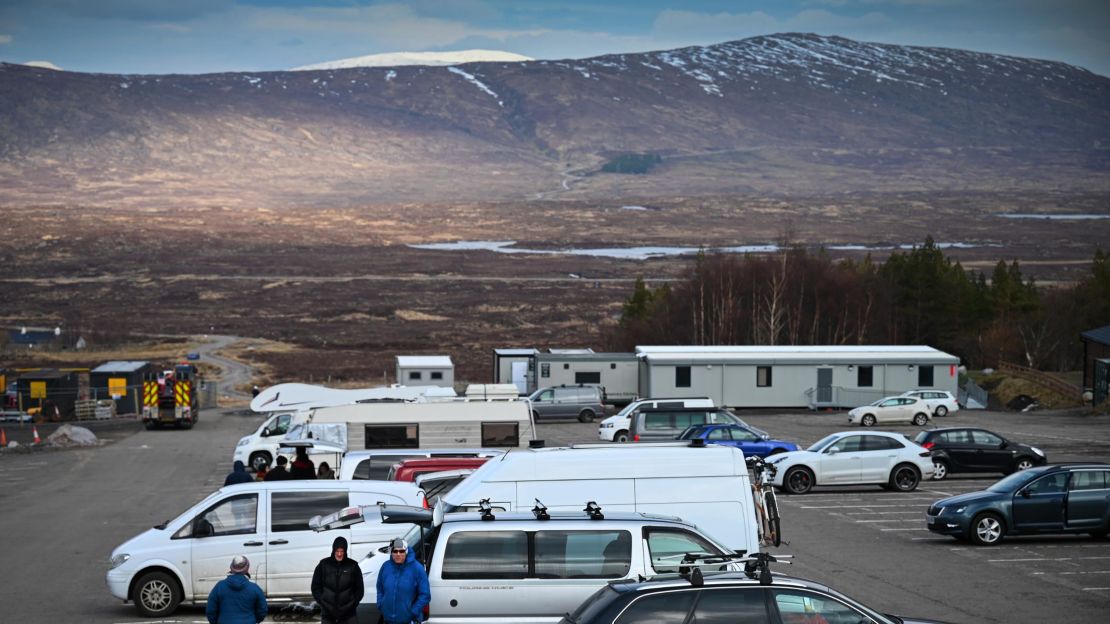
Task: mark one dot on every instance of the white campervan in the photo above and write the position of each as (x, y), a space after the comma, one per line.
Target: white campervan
(706, 485)
(260, 448)
(182, 559)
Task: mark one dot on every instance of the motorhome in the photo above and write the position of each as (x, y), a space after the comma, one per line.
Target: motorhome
(706, 485)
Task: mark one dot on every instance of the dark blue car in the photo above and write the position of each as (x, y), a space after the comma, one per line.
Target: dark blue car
(743, 438)
(1068, 498)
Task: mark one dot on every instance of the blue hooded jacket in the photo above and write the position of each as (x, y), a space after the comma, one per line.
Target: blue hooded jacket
(236, 600)
(403, 591)
(238, 474)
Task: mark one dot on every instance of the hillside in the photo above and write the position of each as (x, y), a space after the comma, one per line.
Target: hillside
(788, 113)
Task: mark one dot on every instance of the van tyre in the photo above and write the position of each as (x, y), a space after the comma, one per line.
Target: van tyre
(941, 412)
(868, 420)
(904, 478)
(156, 594)
(586, 416)
(798, 480)
(920, 419)
(259, 459)
(621, 437)
(987, 529)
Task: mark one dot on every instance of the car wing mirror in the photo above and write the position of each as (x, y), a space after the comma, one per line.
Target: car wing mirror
(266, 432)
(1004, 444)
(1024, 492)
(832, 450)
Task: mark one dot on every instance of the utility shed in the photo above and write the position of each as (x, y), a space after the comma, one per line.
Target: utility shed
(49, 387)
(515, 366)
(121, 381)
(425, 370)
(793, 376)
(617, 373)
(1096, 346)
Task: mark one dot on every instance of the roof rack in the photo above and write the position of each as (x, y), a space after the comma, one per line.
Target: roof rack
(485, 509)
(594, 511)
(756, 565)
(540, 511)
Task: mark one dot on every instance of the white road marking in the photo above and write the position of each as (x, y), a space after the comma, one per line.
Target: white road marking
(1051, 559)
(890, 520)
(1074, 573)
(904, 529)
(876, 513)
(856, 506)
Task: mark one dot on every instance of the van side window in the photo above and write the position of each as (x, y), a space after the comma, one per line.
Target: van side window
(393, 436)
(237, 515)
(291, 511)
(661, 608)
(667, 547)
(583, 554)
(486, 555)
(282, 425)
(501, 434)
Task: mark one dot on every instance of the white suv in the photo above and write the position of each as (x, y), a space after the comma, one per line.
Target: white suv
(615, 428)
(886, 459)
(940, 401)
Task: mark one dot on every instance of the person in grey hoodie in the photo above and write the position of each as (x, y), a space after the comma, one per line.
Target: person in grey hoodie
(236, 600)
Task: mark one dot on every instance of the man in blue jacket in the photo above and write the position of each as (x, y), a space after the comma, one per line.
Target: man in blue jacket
(402, 586)
(236, 600)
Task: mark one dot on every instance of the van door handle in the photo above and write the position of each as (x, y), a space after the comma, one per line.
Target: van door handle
(252, 543)
(276, 542)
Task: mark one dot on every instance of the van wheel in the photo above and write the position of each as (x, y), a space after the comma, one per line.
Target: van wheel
(586, 416)
(156, 594)
(622, 437)
(259, 459)
(920, 420)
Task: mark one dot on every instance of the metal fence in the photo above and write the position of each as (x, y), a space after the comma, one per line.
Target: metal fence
(971, 396)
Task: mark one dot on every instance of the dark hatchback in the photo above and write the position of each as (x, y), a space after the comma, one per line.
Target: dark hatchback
(1066, 498)
(750, 441)
(726, 597)
(970, 449)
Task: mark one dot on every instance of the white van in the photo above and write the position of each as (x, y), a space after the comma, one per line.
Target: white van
(511, 567)
(329, 442)
(616, 427)
(182, 559)
(706, 485)
(260, 448)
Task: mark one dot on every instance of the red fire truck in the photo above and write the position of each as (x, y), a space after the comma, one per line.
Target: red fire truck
(170, 397)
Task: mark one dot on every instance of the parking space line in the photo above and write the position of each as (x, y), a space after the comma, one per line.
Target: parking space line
(918, 529)
(1051, 559)
(876, 513)
(1074, 573)
(890, 520)
(853, 506)
(1095, 588)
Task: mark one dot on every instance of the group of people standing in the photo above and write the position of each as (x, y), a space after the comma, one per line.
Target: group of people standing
(402, 589)
(301, 468)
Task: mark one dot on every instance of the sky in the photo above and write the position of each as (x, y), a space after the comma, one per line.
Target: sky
(202, 36)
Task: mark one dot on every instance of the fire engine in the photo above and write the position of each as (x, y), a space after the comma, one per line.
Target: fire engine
(170, 397)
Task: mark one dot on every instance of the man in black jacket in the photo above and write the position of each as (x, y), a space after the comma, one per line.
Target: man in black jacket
(337, 586)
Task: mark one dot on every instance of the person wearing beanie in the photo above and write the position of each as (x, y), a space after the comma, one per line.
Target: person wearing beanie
(403, 590)
(235, 599)
(337, 586)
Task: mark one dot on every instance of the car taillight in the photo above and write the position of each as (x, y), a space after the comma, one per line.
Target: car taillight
(929, 445)
(636, 438)
(426, 502)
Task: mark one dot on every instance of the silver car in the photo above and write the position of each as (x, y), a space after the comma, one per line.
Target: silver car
(582, 402)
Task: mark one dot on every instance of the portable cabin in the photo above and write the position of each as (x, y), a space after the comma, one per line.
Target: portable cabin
(122, 382)
(617, 373)
(515, 366)
(418, 370)
(793, 376)
(50, 387)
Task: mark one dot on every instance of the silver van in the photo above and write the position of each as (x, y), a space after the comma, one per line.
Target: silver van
(496, 566)
(581, 401)
(667, 423)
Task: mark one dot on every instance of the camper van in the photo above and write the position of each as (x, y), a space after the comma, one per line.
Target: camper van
(443, 424)
(706, 485)
(260, 448)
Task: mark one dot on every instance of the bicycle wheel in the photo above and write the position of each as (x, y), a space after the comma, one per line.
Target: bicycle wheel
(772, 511)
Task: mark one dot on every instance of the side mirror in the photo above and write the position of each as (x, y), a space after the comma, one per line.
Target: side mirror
(832, 450)
(1024, 492)
(765, 436)
(1004, 444)
(266, 432)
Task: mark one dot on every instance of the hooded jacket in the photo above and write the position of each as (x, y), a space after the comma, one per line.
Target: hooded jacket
(238, 474)
(403, 591)
(236, 600)
(337, 585)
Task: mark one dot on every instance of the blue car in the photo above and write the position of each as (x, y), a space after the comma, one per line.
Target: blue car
(1068, 498)
(744, 438)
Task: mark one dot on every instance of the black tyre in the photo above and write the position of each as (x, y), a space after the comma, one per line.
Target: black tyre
(1099, 534)
(186, 424)
(920, 419)
(905, 478)
(622, 436)
(156, 594)
(798, 480)
(259, 459)
(1023, 463)
(940, 470)
(987, 529)
(941, 412)
(586, 416)
(868, 420)
(773, 519)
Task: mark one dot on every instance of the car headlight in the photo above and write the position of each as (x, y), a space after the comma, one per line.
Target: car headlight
(118, 560)
(1037, 451)
(606, 425)
(959, 510)
(244, 442)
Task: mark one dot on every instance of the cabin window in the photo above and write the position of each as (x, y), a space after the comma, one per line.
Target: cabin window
(566, 366)
(501, 434)
(924, 376)
(545, 370)
(612, 366)
(585, 377)
(393, 436)
(414, 375)
(438, 375)
(763, 376)
(865, 376)
(682, 376)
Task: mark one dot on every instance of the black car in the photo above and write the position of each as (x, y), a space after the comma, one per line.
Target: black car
(970, 449)
(1068, 498)
(725, 597)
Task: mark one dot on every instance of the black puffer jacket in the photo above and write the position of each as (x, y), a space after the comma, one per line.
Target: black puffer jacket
(337, 585)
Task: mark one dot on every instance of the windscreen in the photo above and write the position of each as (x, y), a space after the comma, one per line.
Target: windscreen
(823, 442)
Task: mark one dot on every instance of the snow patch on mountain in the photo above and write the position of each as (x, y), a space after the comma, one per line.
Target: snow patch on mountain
(398, 59)
(478, 83)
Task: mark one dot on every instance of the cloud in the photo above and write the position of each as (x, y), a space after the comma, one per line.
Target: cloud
(138, 10)
(43, 64)
(4, 39)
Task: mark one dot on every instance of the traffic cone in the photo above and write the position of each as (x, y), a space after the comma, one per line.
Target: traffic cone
(3, 437)
(35, 431)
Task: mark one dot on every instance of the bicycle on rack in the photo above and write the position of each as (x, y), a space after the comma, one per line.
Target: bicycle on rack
(766, 505)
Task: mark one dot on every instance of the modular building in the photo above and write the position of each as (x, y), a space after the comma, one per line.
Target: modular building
(515, 366)
(617, 373)
(122, 382)
(425, 370)
(48, 388)
(793, 376)
(1096, 346)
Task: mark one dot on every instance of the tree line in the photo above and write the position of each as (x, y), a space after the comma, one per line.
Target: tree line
(920, 296)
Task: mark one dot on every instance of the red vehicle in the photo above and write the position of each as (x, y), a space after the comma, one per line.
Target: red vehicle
(410, 469)
(170, 397)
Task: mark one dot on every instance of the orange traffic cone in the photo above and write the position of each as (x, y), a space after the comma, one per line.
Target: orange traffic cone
(3, 437)
(35, 430)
